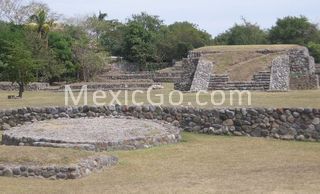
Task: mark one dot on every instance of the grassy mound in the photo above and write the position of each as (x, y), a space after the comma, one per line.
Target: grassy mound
(242, 61)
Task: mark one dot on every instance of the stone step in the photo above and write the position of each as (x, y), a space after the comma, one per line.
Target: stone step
(261, 75)
(111, 81)
(126, 76)
(167, 74)
(261, 79)
(265, 72)
(317, 68)
(167, 79)
(107, 89)
(240, 85)
(109, 86)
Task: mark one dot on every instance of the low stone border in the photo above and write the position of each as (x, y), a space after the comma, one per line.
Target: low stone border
(279, 123)
(168, 134)
(35, 86)
(53, 172)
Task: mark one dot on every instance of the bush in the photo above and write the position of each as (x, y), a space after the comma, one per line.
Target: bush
(314, 49)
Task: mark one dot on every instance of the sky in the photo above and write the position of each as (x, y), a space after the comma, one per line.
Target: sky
(214, 16)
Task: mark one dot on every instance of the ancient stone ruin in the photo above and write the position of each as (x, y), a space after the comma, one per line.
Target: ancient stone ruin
(157, 125)
(287, 69)
(93, 134)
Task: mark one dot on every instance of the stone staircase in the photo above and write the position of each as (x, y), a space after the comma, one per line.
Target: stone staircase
(260, 82)
(218, 81)
(170, 75)
(118, 80)
(262, 76)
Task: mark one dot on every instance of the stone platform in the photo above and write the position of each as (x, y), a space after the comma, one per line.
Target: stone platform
(94, 134)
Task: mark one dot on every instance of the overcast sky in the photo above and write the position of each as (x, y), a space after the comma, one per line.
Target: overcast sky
(214, 16)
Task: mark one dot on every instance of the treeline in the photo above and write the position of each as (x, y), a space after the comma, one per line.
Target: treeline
(146, 41)
(37, 45)
(287, 30)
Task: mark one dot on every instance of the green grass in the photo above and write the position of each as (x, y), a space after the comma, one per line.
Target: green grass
(308, 98)
(200, 164)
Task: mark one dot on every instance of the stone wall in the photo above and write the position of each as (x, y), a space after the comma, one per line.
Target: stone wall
(295, 70)
(279, 123)
(302, 70)
(304, 82)
(318, 71)
(189, 67)
(202, 76)
(55, 172)
(280, 74)
(301, 61)
(8, 86)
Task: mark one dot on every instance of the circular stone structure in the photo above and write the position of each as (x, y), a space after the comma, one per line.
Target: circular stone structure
(96, 134)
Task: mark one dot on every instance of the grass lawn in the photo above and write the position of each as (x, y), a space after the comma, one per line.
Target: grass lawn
(309, 98)
(200, 164)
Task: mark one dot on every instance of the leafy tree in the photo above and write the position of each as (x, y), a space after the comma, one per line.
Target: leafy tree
(17, 62)
(242, 34)
(97, 24)
(140, 36)
(88, 59)
(112, 37)
(61, 45)
(179, 38)
(314, 49)
(294, 30)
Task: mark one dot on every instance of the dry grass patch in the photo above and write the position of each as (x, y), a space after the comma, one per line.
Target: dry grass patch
(247, 47)
(200, 164)
(303, 98)
(41, 156)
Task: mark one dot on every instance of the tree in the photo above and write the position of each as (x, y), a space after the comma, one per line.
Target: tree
(41, 23)
(88, 59)
(314, 49)
(17, 12)
(242, 34)
(97, 24)
(140, 36)
(179, 38)
(17, 61)
(294, 30)
(112, 38)
(60, 43)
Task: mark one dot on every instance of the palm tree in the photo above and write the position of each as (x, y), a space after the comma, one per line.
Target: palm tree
(102, 16)
(41, 23)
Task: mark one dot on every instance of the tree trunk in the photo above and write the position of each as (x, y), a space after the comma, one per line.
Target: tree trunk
(21, 89)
